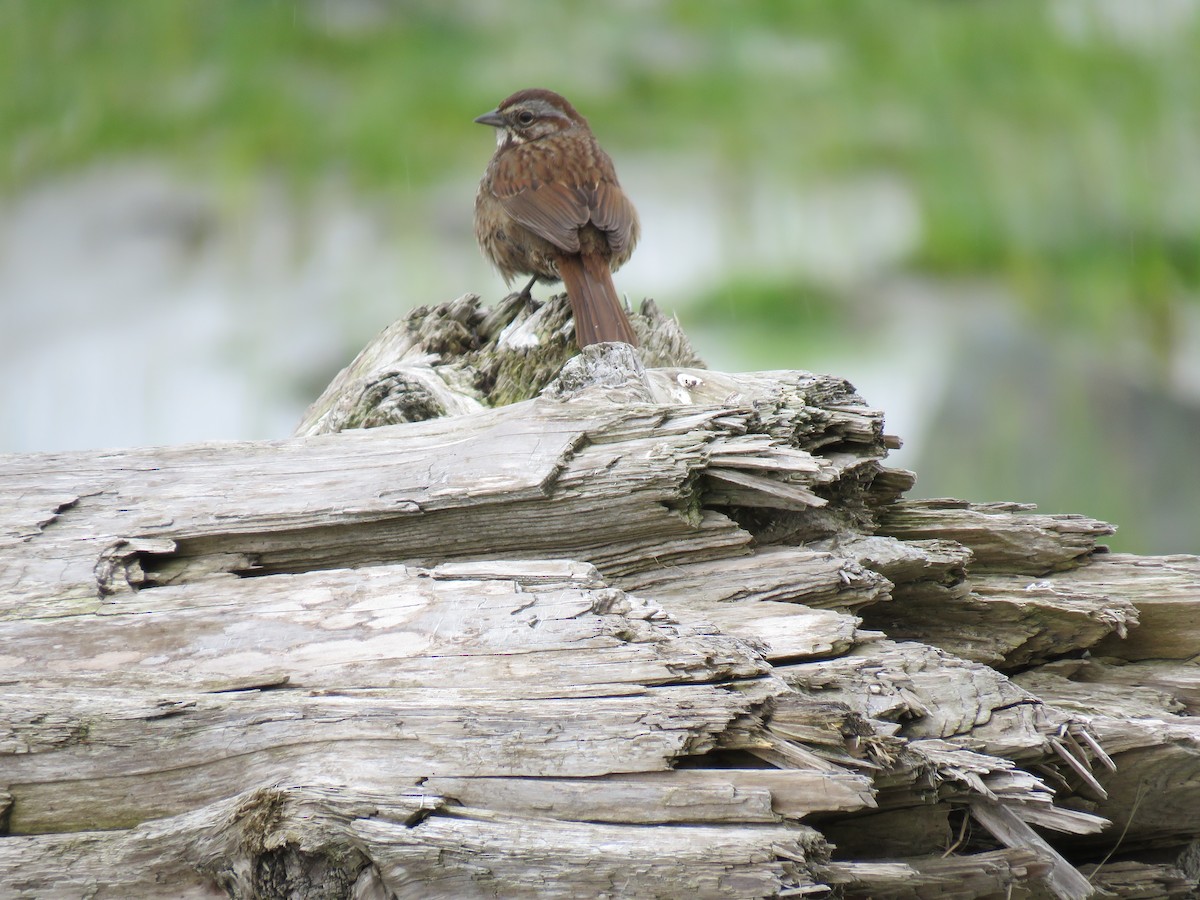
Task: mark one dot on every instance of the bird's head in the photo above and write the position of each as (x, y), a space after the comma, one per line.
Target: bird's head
(530, 115)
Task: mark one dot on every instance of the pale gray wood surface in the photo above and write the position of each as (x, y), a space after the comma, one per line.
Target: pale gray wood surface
(660, 631)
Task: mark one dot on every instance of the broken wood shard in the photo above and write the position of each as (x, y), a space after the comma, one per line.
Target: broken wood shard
(504, 619)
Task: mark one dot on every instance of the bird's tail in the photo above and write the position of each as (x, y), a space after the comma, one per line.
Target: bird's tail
(599, 315)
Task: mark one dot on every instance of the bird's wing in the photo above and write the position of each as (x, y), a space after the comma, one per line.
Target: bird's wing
(557, 211)
(613, 213)
(551, 210)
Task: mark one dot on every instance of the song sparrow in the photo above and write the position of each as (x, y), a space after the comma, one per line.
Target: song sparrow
(549, 206)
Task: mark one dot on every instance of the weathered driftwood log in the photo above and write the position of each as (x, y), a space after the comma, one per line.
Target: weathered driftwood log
(602, 625)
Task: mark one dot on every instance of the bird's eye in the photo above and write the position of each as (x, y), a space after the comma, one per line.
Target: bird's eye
(524, 117)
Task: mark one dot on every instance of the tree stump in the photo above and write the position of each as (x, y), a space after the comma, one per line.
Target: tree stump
(503, 619)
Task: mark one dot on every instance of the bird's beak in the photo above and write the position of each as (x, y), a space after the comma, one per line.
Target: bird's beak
(492, 118)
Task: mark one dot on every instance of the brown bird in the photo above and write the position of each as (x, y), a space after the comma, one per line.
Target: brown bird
(549, 206)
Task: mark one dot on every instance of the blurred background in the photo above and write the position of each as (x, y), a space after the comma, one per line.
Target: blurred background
(985, 215)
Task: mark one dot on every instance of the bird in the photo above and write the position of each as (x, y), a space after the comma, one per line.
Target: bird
(549, 206)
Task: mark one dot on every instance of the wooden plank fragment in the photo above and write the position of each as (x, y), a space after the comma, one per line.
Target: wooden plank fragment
(1135, 697)
(1153, 798)
(920, 571)
(1166, 592)
(1114, 687)
(280, 841)
(991, 874)
(681, 795)
(816, 579)
(1133, 880)
(354, 499)
(781, 631)
(1062, 878)
(379, 642)
(1003, 537)
(932, 693)
(1027, 621)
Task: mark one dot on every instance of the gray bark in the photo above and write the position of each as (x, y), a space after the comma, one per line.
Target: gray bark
(619, 627)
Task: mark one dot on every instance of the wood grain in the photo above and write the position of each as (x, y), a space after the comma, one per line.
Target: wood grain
(500, 622)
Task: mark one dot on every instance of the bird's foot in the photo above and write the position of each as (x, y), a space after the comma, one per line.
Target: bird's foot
(527, 295)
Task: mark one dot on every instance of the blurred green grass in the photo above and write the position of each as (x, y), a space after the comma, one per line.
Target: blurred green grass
(1062, 163)
(231, 87)
(1047, 150)
(995, 112)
